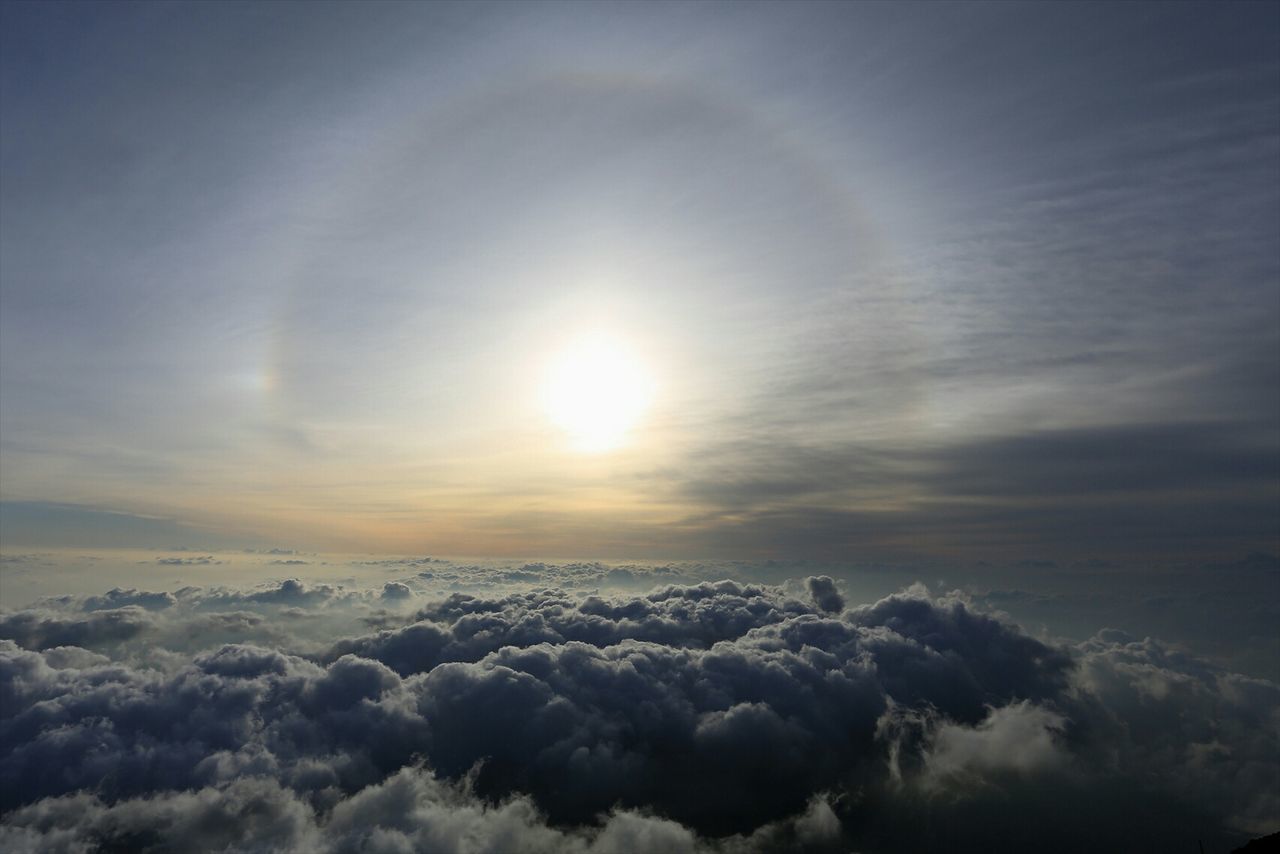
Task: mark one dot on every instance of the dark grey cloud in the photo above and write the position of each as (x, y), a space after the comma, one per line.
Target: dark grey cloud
(39, 629)
(410, 811)
(118, 598)
(1146, 488)
(1121, 459)
(824, 593)
(290, 591)
(396, 590)
(466, 628)
(203, 560)
(15, 559)
(60, 524)
(438, 573)
(129, 622)
(717, 716)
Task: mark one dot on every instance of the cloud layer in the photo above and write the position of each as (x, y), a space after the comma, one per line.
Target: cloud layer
(715, 716)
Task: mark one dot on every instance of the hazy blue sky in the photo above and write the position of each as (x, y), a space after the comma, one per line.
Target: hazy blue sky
(906, 279)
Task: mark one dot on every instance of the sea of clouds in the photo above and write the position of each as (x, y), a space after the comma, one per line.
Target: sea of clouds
(575, 707)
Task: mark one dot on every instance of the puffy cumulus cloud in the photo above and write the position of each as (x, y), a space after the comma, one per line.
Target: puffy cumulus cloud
(720, 739)
(823, 591)
(396, 590)
(712, 716)
(286, 592)
(40, 629)
(291, 591)
(250, 814)
(291, 614)
(464, 627)
(119, 598)
(412, 810)
(415, 811)
(1213, 735)
(126, 731)
(956, 659)
(1019, 738)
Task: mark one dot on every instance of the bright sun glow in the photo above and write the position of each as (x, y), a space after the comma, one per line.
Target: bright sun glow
(596, 390)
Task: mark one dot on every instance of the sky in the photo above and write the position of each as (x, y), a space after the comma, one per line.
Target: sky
(942, 280)
(705, 428)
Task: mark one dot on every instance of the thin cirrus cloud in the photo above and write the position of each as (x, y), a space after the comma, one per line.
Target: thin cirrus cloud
(254, 294)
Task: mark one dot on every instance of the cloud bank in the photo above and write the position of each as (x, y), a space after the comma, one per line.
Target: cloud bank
(716, 716)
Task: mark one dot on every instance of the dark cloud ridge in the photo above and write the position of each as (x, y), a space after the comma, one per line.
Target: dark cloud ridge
(720, 715)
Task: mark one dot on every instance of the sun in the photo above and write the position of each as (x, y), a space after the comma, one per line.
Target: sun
(596, 389)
